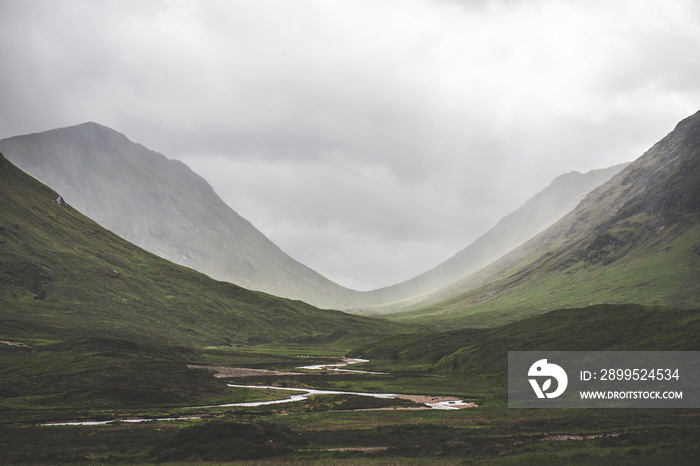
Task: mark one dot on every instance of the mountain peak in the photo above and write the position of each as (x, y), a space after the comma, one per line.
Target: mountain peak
(162, 206)
(88, 126)
(91, 124)
(692, 120)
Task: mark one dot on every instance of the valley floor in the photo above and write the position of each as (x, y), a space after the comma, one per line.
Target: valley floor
(343, 427)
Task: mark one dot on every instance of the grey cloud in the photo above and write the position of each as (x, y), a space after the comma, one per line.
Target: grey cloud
(383, 135)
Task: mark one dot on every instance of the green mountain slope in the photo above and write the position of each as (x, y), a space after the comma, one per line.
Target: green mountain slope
(635, 239)
(89, 321)
(163, 207)
(62, 275)
(534, 216)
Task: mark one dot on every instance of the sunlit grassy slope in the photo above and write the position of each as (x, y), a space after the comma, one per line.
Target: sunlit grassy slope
(635, 239)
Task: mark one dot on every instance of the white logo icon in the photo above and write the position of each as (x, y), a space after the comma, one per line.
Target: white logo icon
(543, 369)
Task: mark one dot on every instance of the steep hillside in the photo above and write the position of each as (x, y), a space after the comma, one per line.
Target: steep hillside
(635, 239)
(63, 275)
(535, 215)
(163, 207)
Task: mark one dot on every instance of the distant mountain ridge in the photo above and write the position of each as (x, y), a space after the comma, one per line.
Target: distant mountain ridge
(535, 215)
(164, 207)
(63, 276)
(634, 239)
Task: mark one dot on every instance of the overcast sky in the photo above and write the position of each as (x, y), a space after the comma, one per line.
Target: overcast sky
(369, 139)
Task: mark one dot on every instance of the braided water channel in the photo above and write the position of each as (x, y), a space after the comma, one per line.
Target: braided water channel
(434, 402)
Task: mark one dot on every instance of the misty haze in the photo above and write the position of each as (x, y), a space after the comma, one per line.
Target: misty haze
(349, 232)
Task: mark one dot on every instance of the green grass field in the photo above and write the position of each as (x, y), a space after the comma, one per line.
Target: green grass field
(96, 379)
(93, 328)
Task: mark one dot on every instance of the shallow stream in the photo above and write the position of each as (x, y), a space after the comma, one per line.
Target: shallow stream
(434, 402)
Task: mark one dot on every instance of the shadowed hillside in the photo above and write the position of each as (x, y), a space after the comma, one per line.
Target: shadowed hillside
(484, 352)
(163, 207)
(63, 275)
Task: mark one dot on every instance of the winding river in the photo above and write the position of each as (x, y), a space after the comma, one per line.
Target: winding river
(434, 402)
(337, 367)
(431, 402)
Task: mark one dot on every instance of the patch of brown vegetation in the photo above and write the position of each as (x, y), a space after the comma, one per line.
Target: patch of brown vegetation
(16, 343)
(222, 372)
(427, 398)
